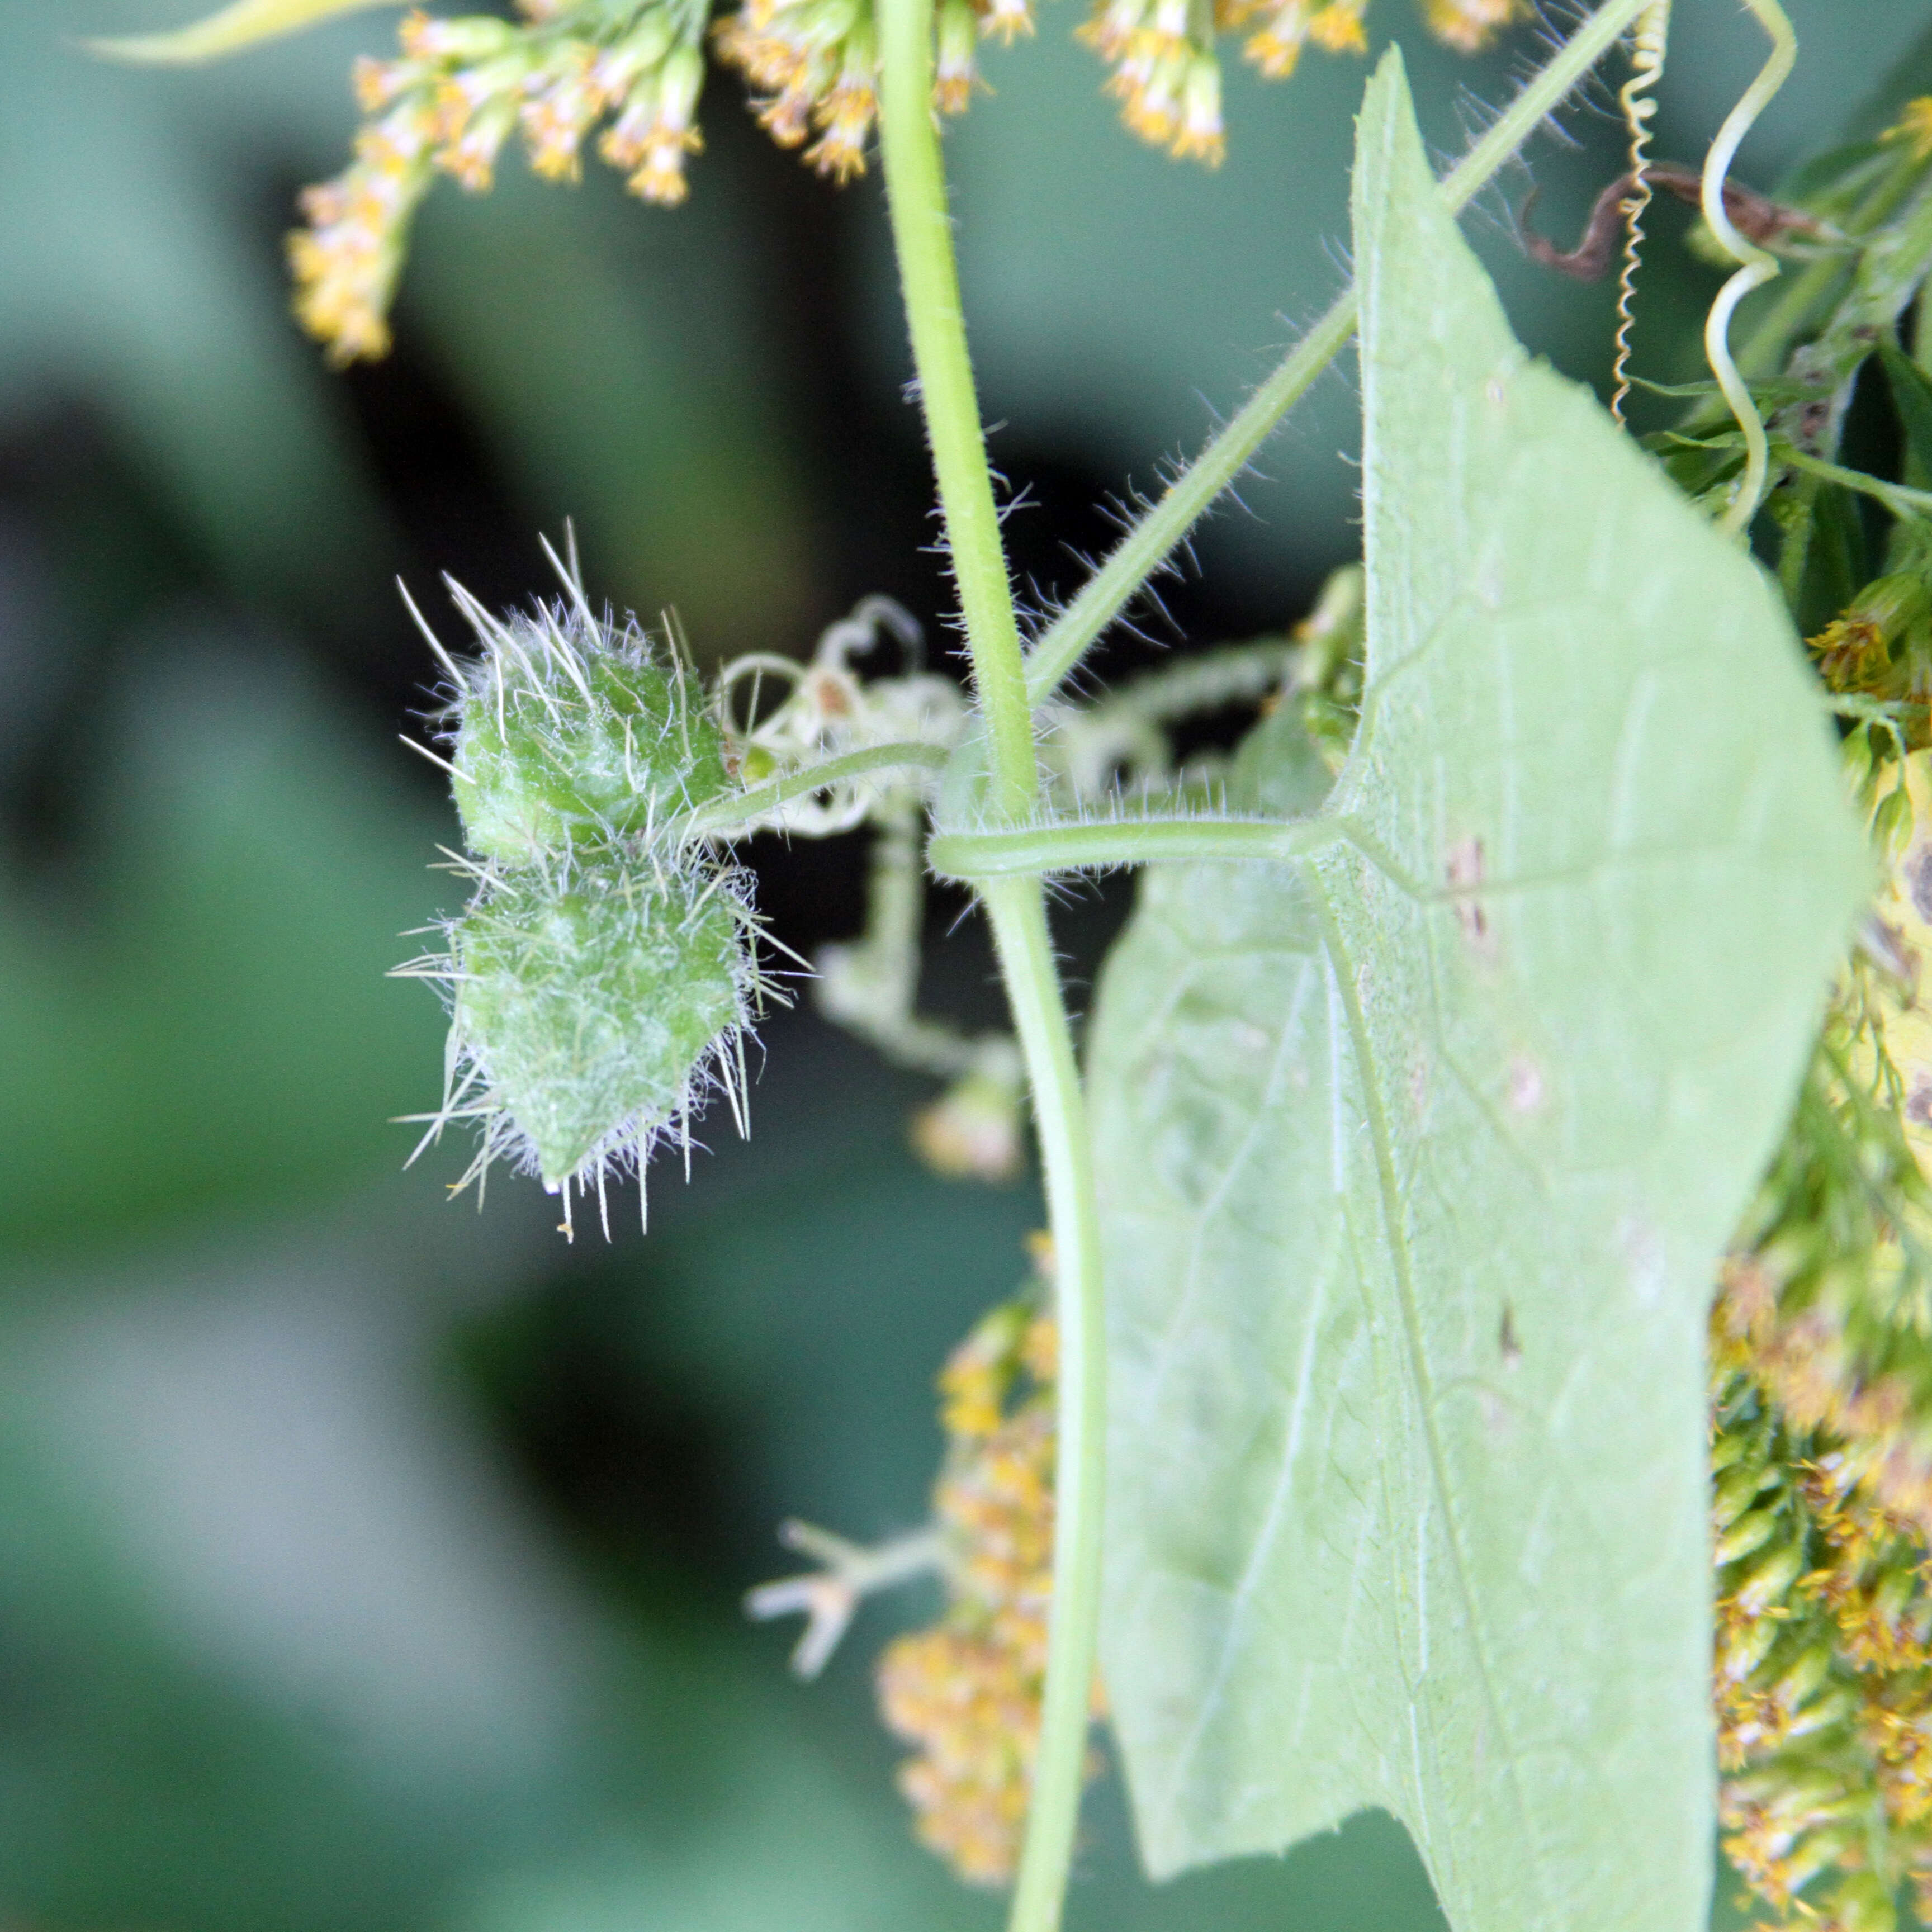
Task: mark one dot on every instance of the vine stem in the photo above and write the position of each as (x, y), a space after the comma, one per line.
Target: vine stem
(1760, 265)
(1017, 907)
(922, 236)
(929, 279)
(1148, 544)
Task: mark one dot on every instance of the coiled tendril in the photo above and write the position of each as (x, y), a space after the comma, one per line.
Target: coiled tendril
(1639, 105)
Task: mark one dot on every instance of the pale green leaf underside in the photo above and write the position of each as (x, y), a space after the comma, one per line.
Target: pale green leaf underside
(244, 24)
(1412, 1206)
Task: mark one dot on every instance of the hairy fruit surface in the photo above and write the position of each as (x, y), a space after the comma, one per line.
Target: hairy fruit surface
(601, 978)
(568, 732)
(591, 999)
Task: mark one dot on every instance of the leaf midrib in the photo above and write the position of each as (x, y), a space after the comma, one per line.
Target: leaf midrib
(1382, 1140)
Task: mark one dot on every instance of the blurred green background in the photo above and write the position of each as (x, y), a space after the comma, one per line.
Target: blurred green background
(366, 1563)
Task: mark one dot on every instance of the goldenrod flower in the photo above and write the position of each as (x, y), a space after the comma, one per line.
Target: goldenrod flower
(1470, 25)
(967, 1692)
(462, 84)
(975, 1716)
(955, 70)
(452, 100)
(1822, 1678)
(1286, 26)
(1007, 19)
(817, 62)
(1336, 28)
(464, 43)
(1200, 136)
(655, 131)
(1166, 73)
(346, 262)
(564, 100)
(979, 1374)
(377, 84)
(845, 119)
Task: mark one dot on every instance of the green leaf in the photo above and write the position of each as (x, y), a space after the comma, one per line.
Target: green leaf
(1912, 396)
(245, 23)
(1412, 1204)
(1821, 561)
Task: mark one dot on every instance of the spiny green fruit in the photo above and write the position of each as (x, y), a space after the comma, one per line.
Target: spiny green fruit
(595, 1004)
(568, 731)
(601, 977)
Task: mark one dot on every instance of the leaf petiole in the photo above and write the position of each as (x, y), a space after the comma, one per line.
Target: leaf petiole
(1099, 845)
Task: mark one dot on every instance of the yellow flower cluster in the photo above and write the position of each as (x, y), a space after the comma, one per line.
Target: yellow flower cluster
(1822, 1439)
(460, 88)
(1810, 1365)
(967, 1692)
(346, 261)
(1881, 646)
(816, 64)
(1167, 74)
(1822, 1355)
(1823, 1672)
(1470, 25)
(1828, 1292)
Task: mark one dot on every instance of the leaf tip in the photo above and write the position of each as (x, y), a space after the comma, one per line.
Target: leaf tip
(228, 30)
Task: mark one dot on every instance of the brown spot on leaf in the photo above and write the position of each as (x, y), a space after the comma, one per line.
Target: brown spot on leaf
(1464, 868)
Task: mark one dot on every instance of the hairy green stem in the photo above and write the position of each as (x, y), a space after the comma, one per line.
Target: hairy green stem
(728, 815)
(929, 278)
(1151, 541)
(915, 190)
(1075, 845)
(1146, 546)
(1017, 907)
